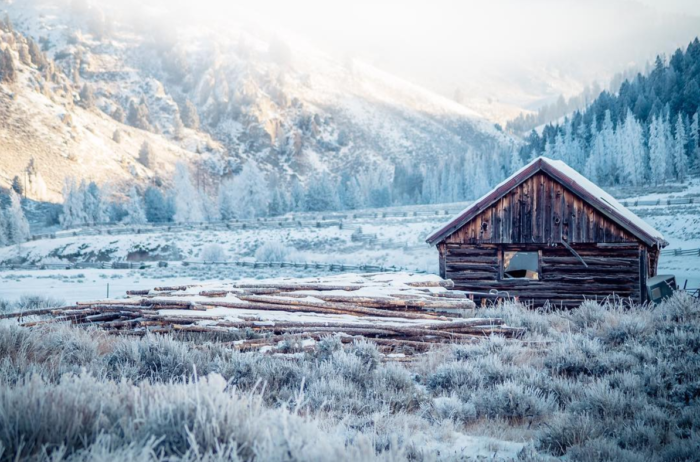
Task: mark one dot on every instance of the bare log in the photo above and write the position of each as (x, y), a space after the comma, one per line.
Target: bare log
(447, 283)
(296, 287)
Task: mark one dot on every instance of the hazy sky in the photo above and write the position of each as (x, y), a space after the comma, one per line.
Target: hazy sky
(520, 52)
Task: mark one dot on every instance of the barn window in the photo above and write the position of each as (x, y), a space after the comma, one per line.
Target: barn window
(521, 265)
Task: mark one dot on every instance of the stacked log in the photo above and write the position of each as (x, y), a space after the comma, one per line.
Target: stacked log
(410, 316)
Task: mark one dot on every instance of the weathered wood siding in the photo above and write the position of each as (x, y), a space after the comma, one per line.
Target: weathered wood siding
(538, 215)
(562, 278)
(540, 210)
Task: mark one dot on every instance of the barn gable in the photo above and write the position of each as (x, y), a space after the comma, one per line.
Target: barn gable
(547, 202)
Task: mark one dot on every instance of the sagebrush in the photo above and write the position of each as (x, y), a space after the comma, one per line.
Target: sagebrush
(605, 381)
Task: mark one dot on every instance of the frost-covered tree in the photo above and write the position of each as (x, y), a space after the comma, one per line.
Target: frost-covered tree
(189, 116)
(431, 186)
(4, 240)
(321, 194)
(279, 202)
(17, 185)
(87, 97)
(73, 204)
(245, 195)
(118, 114)
(8, 70)
(36, 54)
(96, 208)
(36, 186)
(680, 161)
(188, 205)
(210, 207)
(632, 151)
(297, 195)
(694, 138)
(135, 209)
(17, 224)
(158, 210)
(516, 162)
(147, 155)
(658, 149)
(139, 115)
(353, 194)
(178, 128)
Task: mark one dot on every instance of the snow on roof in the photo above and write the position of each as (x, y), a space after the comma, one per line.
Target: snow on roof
(601, 200)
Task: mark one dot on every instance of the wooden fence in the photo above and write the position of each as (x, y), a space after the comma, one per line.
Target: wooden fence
(343, 220)
(331, 267)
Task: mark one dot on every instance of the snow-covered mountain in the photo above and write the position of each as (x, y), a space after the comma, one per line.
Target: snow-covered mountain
(118, 98)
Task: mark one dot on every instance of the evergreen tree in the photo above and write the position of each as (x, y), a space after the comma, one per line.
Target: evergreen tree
(189, 116)
(680, 161)
(135, 209)
(516, 162)
(157, 208)
(17, 224)
(8, 71)
(96, 208)
(633, 153)
(694, 136)
(178, 128)
(297, 195)
(4, 239)
(147, 155)
(118, 115)
(321, 194)
(279, 204)
(354, 197)
(657, 151)
(36, 54)
(139, 115)
(87, 97)
(17, 185)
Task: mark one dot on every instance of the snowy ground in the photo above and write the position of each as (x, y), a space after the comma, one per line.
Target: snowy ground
(400, 243)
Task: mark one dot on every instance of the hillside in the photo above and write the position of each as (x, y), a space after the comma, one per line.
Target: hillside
(213, 97)
(645, 132)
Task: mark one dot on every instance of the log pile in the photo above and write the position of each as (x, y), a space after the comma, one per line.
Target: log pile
(398, 312)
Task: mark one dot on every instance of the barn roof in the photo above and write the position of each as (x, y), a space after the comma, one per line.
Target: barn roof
(570, 178)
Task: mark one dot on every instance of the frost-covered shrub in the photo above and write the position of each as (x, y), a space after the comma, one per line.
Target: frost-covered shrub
(451, 407)
(564, 431)
(213, 252)
(327, 345)
(36, 302)
(535, 321)
(272, 251)
(589, 314)
(601, 450)
(601, 400)
(576, 355)
(512, 400)
(451, 377)
(681, 307)
(201, 419)
(367, 352)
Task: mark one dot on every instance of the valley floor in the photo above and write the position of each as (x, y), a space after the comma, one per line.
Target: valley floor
(600, 382)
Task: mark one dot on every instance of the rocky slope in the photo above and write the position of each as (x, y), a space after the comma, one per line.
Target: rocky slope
(107, 81)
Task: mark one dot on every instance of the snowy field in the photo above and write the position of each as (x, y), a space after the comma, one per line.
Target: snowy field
(391, 241)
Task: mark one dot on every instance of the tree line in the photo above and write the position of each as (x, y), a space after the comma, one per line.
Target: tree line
(647, 132)
(253, 194)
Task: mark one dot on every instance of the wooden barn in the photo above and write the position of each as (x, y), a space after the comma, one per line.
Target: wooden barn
(548, 234)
